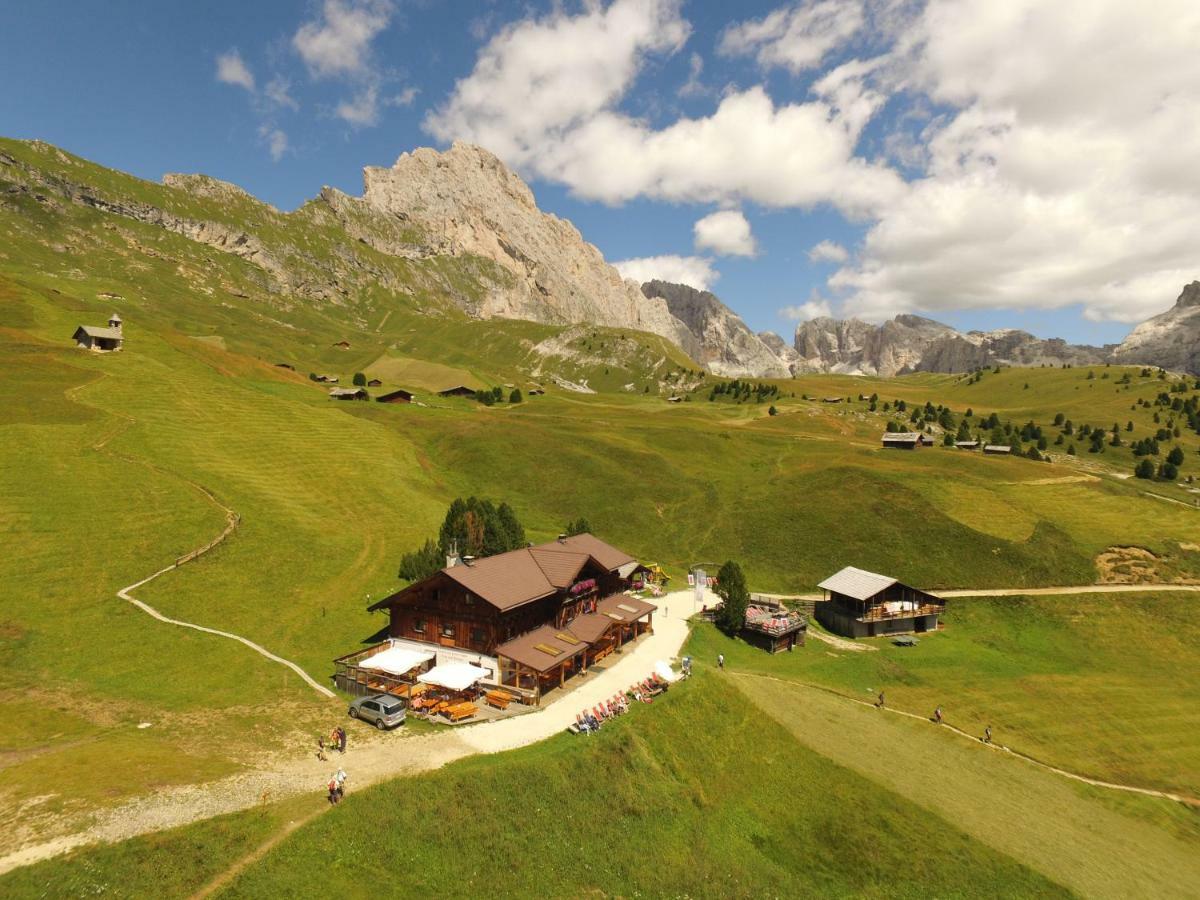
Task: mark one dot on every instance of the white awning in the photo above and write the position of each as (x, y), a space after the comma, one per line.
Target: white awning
(455, 676)
(396, 660)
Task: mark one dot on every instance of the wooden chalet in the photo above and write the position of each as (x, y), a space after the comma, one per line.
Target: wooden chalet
(325, 379)
(966, 445)
(397, 396)
(832, 400)
(349, 394)
(374, 382)
(858, 603)
(906, 440)
(997, 449)
(533, 617)
(458, 390)
(100, 340)
(774, 629)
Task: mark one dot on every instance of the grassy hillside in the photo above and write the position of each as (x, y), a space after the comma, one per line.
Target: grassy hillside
(1101, 685)
(661, 803)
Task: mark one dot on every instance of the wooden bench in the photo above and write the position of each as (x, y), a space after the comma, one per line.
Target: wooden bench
(460, 711)
(499, 699)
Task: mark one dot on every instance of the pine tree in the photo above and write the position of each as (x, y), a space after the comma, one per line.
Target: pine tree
(731, 588)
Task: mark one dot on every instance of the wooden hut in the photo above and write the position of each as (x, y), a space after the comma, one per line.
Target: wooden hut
(397, 396)
(903, 440)
(997, 449)
(966, 445)
(374, 382)
(858, 603)
(536, 616)
(774, 629)
(349, 394)
(458, 390)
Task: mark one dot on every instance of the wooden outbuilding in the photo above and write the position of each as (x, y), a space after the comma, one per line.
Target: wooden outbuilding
(342, 345)
(101, 340)
(774, 629)
(374, 382)
(397, 396)
(325, 379)
(458, 390)
(349, 394)
(997, 449)
(858, 603)
(903, 440)
(535, 616)
(966, 445)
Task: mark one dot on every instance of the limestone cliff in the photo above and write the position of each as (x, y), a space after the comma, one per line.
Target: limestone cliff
(1170, 339)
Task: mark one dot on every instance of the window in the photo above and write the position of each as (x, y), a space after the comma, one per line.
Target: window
(419, 625)
(478, 635)
(447, 629)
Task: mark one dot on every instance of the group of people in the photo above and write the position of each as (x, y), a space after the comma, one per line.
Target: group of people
(336, 741)
(337, 786)
(936, 718)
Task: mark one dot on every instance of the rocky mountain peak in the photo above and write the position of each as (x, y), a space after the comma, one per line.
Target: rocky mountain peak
(1170, 339)
(1190, 296)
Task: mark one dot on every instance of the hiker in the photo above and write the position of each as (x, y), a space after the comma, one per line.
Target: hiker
(987, 735)
(333, 791)
(937, 716)
(341, 739)
(340, 778)
(720, 660)
(879, 702)
(321, 747)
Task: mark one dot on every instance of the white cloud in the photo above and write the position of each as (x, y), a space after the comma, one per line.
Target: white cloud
(828, 251)
(405, 97)
(1060, 177)
(362, 110)
(796, 37)
(726, 233)
(338, 41)
(276, 140)
(816, 308)
(694, 271)
(278, 92)
(232, 69)
(543, 97)
(693, 87)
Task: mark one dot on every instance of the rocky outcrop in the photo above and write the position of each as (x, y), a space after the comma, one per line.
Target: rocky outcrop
(910, 343)
(724, 345)
(1170, 340)
(470, 203)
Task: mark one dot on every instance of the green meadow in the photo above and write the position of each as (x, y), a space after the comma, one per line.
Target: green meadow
(111, 467)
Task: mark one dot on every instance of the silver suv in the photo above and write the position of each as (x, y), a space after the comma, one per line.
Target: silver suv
(384, 710)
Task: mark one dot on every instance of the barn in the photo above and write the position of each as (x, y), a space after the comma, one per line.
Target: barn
(858, 603)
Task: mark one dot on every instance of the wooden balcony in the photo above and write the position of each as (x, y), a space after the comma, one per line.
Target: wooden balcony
(881, 614)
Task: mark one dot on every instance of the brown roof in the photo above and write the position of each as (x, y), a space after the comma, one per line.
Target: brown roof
(511, 579)
(504, 580)
(607, 555)
(623, 608)
(590, 627)
(559, 564)
(528, 648)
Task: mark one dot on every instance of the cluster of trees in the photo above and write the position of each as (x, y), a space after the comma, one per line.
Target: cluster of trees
(473, 527)
(1167, 470)
(579, 526)
(496, 395)
(740, 391)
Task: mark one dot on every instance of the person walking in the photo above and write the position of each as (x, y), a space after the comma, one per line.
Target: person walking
(879, 702)
(321, 747)
(720, 660)
(987, 735)
(937, 716)
(340, 777)
(333, 791)
(341, 739)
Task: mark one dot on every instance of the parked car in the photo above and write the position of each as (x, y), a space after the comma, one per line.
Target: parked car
(383, 710)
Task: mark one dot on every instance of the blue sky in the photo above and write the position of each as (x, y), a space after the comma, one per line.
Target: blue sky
(987, 165)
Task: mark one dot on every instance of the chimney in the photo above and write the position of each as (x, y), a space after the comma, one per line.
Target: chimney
(452, 558)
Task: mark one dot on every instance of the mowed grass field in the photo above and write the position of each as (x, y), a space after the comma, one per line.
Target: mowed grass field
(103, 458)
(1101, 685)
(697, 795)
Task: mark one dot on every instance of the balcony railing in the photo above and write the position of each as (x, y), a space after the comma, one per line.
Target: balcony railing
(880, 614)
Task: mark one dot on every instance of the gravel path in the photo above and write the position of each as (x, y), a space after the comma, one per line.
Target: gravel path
(372, 757)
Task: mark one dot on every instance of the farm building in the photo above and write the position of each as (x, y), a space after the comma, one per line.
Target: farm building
(858, 603)
(997, 449)
(966, 445)
(325, 379)
(397, 396)
(903, 440)
(348, 394)
(374, 382)
(459, 390)
(532, 617)
(101, 340)
(774, 630)
(535, 391)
